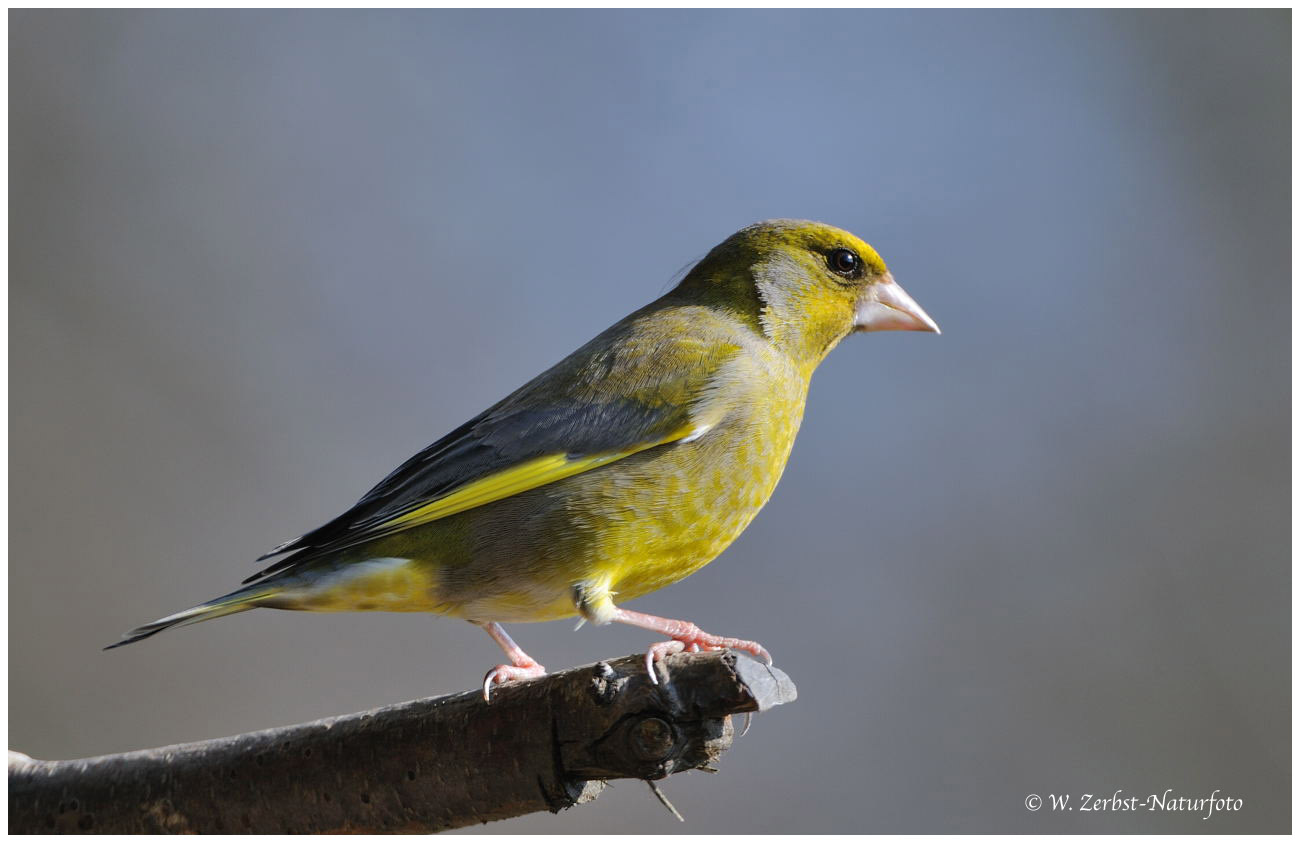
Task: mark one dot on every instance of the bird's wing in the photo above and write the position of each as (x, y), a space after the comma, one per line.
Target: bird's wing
(628, 390)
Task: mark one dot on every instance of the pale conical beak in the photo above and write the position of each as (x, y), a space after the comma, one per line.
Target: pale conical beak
(885, 307)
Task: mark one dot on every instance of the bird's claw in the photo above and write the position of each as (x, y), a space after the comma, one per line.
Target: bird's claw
(504, 673)
(696, 640)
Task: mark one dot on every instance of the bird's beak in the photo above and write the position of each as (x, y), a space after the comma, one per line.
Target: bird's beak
(885, 307)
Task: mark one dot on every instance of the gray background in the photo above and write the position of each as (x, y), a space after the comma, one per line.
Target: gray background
(257, 259)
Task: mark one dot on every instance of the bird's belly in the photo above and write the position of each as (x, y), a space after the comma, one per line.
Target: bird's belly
(657, 558)
(643, 544)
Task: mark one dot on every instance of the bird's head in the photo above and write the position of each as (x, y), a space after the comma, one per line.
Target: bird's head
(805, 285)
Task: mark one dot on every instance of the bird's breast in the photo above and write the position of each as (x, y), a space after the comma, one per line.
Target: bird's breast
(660, 516)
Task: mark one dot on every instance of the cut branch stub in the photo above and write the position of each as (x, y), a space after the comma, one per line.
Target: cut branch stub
(655, 730)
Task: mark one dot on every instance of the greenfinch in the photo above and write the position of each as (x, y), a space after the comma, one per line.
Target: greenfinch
(628, 465)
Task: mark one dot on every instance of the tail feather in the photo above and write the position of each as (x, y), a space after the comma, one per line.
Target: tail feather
(237, 601)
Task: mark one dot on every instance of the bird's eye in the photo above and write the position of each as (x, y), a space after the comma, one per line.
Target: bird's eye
(844, 262)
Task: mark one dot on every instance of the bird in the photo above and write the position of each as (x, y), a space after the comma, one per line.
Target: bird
(627, 466)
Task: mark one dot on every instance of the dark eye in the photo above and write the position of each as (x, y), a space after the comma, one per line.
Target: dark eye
(844, 262)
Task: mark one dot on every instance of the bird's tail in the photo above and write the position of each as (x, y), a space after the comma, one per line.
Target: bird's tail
(236, 601)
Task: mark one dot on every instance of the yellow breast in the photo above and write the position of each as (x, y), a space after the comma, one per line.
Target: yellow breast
(662, 516)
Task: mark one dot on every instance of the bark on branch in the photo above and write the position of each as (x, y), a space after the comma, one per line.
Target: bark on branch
(420, 766)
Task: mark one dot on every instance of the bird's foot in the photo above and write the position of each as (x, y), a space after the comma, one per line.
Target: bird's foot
(691, 639)
(504, 673)
(522, 665)
(685, 636)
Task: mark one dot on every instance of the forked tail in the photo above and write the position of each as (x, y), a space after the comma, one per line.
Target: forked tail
(236, 601)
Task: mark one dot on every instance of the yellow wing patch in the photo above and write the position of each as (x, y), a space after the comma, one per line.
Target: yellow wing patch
(520, 478)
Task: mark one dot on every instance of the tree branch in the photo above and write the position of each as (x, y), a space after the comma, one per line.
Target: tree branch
(426, 765)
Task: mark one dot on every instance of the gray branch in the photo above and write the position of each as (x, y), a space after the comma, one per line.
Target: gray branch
(426, 765)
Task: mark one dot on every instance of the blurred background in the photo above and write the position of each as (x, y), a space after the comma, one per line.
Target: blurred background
(257, 259)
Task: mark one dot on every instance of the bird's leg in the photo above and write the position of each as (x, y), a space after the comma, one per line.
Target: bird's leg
(522, 665)
(685, 636)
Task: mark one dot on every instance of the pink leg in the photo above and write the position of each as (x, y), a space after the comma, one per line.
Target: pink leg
(522, 665)
(685, 636)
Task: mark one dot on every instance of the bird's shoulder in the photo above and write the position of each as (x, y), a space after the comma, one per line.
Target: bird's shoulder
(663, 355)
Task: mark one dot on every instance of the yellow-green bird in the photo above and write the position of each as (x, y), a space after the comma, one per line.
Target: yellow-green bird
(627, 466)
